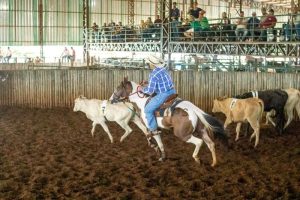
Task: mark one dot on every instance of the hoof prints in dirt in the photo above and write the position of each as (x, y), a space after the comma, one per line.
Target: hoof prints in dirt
(50, 154)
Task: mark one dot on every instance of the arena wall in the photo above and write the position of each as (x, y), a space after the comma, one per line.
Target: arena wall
(59, 88)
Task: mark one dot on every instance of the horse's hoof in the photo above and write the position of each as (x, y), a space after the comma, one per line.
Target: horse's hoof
(161, 159)
(213, 165)
(197, 160)
(236, 139)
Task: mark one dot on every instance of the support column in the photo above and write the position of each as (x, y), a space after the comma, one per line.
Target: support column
(41, 30)
(131, 12)
(86, 25)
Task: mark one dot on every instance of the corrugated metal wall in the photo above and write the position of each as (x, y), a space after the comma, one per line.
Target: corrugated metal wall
(59, 88)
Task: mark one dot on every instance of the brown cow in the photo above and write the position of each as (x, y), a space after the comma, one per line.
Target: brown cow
(241, 110)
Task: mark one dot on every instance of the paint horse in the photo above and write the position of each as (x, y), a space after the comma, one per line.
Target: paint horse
(187, 120)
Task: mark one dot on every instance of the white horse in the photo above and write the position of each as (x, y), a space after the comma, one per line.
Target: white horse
(100, 111)
(186, 120)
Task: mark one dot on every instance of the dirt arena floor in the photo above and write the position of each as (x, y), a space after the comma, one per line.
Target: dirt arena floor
(50, 154)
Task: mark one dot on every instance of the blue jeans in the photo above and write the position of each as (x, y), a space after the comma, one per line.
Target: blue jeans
(288, 31)
(154, 103)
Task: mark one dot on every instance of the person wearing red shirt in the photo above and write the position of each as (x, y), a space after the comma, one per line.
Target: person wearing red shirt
(269, 22)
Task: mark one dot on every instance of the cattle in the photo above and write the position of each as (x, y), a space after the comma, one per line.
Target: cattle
(292, 103)
(273, 99)
(241, 110)
(100, 111)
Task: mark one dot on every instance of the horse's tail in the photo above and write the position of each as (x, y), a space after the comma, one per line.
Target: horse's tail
(211, 123)
(217, 128)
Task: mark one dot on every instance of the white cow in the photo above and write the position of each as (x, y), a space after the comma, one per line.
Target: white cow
(101, 110)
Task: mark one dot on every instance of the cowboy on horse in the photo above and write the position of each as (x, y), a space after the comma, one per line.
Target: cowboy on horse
(160, 83)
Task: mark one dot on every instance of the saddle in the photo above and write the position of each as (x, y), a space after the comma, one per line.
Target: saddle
(170, 102)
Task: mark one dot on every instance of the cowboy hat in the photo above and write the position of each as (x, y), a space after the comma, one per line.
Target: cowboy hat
(156, 61)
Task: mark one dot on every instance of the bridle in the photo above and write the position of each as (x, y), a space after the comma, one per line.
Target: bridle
(120, 98)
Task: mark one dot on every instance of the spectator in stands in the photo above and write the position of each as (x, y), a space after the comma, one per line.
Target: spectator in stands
(264, 14)
(157, 27)
(288, 28)
(262, 19)
(253, 26)
(204, 25)
(111, 29)
(195, 26)
(296, 12)
(118, 34)
(8, 55)
(142, 24)
(225, 26)
(65, 56)
(241, 27)
(268, 24)
(104, 33)
(195, 10)
(175, 14)
(95, 29)
(147, 32)
(72, 56)
(157, 20)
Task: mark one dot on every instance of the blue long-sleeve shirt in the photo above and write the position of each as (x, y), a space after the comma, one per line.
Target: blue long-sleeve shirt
(159, 81)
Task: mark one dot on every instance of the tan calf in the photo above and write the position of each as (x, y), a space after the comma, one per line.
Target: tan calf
(241, 110)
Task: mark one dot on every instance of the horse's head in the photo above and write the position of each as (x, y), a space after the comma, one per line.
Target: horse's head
(123, 90)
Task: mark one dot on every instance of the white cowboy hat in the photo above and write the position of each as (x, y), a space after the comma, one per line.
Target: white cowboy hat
(156, 61)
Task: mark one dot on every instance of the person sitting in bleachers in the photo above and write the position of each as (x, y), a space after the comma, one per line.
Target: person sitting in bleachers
(241, 27)
(148, 30)
(226, 28)
(267, 24)
(253, 26)
(118, 34)
(104, 33)
(95, 29)
(195, 27)
(204, 25)
(157, 27)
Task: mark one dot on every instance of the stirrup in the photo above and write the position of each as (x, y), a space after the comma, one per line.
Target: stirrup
(153, 133)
